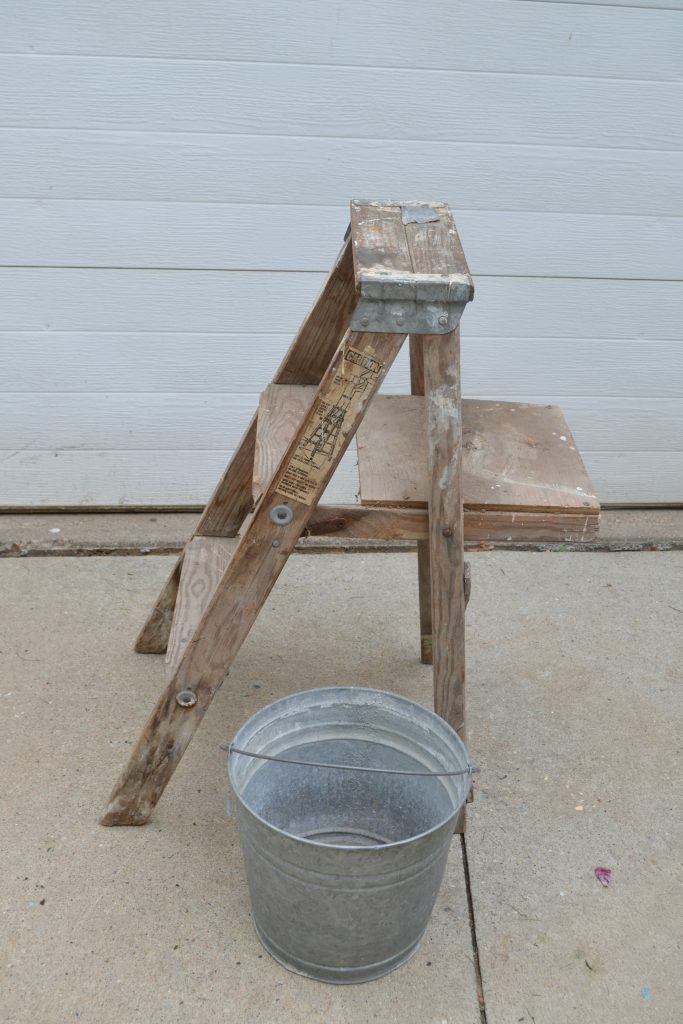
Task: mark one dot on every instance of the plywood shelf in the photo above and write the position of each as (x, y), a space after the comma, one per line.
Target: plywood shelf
(516, 457)
(521, 467)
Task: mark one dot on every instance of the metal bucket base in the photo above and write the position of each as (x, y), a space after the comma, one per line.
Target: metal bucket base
(338, 975)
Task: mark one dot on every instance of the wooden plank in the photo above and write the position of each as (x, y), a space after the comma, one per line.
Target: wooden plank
(304, 362)
(366, 523)
(515, 457)
(530, 527)
(231, 499)
(323, 327)
(153, 637)
(435, 246)
(379, 240)
(446, 535)
(424, 577)
(260, 556)
(526, 456)
(204, 561)
(393, 460)
(281, 412)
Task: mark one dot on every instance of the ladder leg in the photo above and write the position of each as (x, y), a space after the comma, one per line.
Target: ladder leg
(305, 363)
(446, 534)
(153, 637)
(230, 503)
(352, 378)
(424, 578)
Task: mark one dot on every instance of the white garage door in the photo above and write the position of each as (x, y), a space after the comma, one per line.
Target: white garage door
(174, 179)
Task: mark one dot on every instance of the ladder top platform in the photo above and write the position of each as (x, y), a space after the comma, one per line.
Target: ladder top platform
(409, 267)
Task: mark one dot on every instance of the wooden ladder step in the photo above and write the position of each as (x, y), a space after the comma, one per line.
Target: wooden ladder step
(516, 458)
(523, 476)
(205, 561)
(282, 408)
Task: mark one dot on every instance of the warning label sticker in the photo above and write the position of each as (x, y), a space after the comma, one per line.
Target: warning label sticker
(328, 424)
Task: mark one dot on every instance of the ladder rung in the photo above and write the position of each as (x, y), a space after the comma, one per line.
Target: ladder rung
(281, 409)
(205, 561)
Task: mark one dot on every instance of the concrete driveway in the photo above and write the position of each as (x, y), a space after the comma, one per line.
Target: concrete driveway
(574, 663)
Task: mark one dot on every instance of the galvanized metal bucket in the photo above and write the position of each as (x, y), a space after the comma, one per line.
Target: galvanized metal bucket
(343, 864)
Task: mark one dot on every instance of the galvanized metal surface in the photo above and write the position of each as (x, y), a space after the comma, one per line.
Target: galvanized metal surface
(344, 867)
(414, 303)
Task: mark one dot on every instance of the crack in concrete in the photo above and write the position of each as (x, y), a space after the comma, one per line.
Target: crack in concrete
(483, 1018)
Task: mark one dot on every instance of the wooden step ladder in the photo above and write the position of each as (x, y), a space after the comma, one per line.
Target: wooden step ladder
(433, 469)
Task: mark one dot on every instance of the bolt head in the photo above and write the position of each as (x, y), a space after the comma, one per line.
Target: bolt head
(365, 321)
(186, 698)
(443, 320)
(281, 515)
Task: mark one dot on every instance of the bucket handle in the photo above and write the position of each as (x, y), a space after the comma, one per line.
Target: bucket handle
(232, 749)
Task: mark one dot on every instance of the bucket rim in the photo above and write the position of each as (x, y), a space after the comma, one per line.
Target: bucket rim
(355, 690)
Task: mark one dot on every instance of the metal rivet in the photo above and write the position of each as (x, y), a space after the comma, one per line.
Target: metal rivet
(276, 543)
(365, 321)
(447, 532)
(443, 320)
(399, 321)
(186, 698)
(281, 515)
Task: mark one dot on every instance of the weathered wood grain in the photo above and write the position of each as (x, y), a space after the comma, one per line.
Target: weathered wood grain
(424, 578)
(516, 457)
(231, 499)
(359, 522)
(153, 637)
(324, 327)
(435, 246)
(379, 240)
(368, 523)
(304, 363)
(446, 534)
(258, 559)
(205, 559)
(281, 410)
(393, 462)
